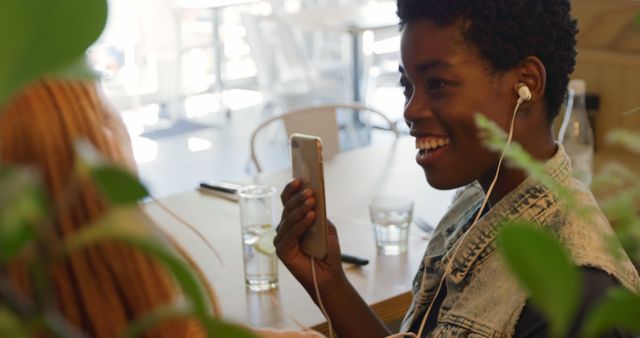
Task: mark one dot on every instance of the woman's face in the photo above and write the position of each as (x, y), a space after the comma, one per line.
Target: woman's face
(446, 84)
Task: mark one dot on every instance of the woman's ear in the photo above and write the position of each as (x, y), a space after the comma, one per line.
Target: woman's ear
(532, 72)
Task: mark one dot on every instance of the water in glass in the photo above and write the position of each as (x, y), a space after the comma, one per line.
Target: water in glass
(391, 218)
(260, 262)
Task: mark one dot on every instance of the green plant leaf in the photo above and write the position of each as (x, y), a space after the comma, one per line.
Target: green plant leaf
(541, 265)
(56, 325)
(224, 329)
(79, 69)
(614, 176)
(625, 138)
(622, 204)
(118, 185)
(619, 309)
(496, 139)
(12, 326)
(22, 207)
(41, 36)
(627, 230)
(151, 319)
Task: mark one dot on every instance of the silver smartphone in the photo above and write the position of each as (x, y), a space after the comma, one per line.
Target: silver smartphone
(306, 163)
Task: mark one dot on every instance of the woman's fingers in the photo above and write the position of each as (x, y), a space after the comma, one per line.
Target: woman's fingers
(295, 211)
(297, 216)
(296, 200)
(294, 203)
(287, 241)
(290, 189)
(301, 210)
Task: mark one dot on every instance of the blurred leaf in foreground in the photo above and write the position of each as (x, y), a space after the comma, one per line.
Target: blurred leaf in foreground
(76, 69)
(543, 268)
(614, 176)
(159, 315)
(625, 138)
(12, 326)
(619, 309)
(22, 208)
(118, 185)
(496, 139)
(42, 36)
(130, 226)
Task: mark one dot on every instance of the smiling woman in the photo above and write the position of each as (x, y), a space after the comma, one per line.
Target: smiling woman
(464, 58)
(507, 61)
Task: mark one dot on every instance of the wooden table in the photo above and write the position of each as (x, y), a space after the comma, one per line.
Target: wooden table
(353, 20)
(352, 178)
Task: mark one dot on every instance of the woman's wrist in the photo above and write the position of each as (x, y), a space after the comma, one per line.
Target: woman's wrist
(337, 289)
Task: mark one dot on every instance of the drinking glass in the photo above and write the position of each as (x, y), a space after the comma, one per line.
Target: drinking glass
(257, 219)
(391, 216)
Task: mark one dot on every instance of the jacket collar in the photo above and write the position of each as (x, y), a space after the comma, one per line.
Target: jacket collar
(525, 202)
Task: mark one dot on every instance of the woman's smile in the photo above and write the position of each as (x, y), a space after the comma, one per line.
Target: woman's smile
(430, 149)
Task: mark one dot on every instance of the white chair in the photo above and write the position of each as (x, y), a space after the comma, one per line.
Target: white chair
(335, 124)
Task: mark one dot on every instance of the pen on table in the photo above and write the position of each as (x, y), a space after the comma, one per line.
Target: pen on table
(232, 189)
(229, 188)
(354, 260)
(221, 189)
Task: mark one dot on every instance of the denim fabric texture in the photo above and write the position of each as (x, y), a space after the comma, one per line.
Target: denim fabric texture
(483, 299)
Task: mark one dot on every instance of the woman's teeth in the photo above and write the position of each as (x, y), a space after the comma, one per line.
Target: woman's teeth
(430, 143)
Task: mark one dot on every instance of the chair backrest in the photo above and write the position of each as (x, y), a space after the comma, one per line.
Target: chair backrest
(325, 122)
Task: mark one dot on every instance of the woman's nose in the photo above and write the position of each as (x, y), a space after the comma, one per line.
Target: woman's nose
(416, 108)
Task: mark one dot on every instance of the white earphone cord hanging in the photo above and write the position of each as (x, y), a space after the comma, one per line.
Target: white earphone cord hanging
(315, 285)
(523, 96)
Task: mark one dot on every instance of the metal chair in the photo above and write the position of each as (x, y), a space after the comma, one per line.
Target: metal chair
(338, 131)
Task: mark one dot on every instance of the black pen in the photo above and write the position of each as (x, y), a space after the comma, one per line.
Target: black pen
(354, 260)
(226, 187)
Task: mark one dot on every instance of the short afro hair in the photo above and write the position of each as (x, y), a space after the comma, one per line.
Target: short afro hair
(507, 31)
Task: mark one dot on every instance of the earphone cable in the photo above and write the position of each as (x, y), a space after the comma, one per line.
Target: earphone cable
(315, 285)
(458, 243)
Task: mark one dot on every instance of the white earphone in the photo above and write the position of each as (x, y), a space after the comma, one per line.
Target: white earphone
(524, 93)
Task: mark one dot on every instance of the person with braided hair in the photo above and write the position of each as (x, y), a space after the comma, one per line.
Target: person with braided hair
(101, 289)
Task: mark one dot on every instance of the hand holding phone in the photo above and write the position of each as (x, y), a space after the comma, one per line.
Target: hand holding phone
(306, 161)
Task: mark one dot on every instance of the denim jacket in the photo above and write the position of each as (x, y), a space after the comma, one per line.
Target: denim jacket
(483, 299)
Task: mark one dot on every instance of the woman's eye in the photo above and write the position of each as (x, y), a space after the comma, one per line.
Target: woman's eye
(408, 88)
(436, 84)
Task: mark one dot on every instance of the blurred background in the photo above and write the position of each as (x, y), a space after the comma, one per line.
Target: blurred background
(192, 79)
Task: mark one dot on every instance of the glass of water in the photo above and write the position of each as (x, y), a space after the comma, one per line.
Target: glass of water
(257, 219)
(391, 216)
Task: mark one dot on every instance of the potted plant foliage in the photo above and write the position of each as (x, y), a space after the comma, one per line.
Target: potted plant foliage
(534, 255)
(44, 38)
